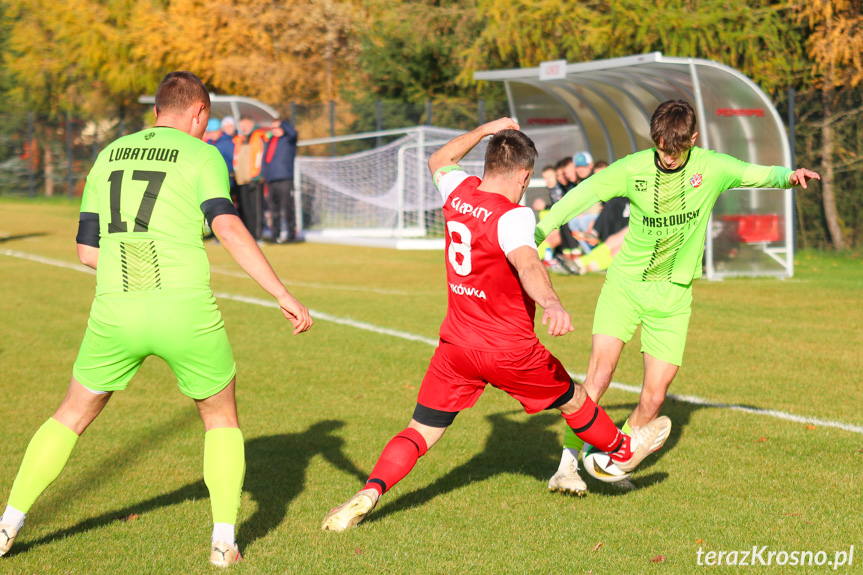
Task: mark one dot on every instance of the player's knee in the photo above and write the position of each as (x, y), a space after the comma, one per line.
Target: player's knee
(652, 401)
(430, 424)
(579, 395)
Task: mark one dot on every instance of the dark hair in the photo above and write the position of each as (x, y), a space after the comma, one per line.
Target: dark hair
(508, 151)
(179, 90)
(673, 123)
(601, 164)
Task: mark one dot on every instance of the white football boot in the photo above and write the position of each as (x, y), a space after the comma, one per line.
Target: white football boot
(351, 512)
(8, 533)
(566, 479)
(644, 441)
(224, 555)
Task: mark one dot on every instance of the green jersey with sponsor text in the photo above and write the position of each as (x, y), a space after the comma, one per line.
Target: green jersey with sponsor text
(669, 209)
(148, 189)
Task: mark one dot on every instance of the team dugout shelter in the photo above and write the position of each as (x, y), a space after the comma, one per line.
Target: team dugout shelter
(234, 106)
(609, 104)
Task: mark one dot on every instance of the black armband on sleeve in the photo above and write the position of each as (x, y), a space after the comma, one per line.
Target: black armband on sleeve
(217, 207)
(88, 229)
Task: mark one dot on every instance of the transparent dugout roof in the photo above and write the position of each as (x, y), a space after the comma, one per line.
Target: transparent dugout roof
(611, 102)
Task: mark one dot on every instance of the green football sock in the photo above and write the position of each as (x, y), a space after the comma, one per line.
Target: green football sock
(600, 256)
(224, 470)
(45, 458)
(571, 440)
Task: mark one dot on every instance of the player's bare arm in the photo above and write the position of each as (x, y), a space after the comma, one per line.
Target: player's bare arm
(574, 203)
(535, 281)
(453, 151)
(232, 234)
(801, 176)
(88, 255)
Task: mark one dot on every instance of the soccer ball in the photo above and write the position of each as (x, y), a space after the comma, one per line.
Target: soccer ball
(600, 465)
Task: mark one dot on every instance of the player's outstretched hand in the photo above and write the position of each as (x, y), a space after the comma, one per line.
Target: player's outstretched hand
(296, 313)
(801, 175)
(496, 126)
(557, 319)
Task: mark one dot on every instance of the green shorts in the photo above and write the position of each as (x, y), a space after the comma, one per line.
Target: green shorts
(184, 328)
(662, 309)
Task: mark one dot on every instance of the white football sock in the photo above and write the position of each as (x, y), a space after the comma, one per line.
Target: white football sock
(13, 517)
(567, 457)
(223, 532)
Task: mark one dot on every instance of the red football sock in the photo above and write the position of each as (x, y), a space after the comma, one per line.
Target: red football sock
(592, 425)
(399, 457)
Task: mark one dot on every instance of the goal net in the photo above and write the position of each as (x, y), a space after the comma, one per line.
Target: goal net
(387, 192)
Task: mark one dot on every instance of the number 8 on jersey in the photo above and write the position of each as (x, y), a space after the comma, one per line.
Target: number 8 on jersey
(459, 247)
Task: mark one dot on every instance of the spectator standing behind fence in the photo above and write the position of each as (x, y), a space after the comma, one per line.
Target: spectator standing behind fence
(213, 131)
(225, 144)
(278, 171)
(248, 154)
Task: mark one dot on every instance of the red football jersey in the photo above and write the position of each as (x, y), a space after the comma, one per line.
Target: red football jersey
(487, 308)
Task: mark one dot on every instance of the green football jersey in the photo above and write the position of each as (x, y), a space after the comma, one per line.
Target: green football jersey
(148, 188)
(669, 209)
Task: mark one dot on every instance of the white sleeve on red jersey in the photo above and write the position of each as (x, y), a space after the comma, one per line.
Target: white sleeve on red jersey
(515, 229)
(447, 179)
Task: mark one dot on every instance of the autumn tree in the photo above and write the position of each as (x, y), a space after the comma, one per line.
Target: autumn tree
(835, 47)
(277, 52)
(754, 36)
(77, 60)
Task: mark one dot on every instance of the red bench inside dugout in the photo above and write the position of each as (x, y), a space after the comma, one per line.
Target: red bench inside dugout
(756, 228)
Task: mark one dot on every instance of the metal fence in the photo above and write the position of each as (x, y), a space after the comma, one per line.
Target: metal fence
(44, 156)
(41, 156)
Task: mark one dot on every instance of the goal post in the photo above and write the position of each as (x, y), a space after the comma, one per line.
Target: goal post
(385, 196)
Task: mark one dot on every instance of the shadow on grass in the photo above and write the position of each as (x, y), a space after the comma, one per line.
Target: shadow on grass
(22, 237)
(275, 476)
(529, 447)
(277, 465)
(276, 472)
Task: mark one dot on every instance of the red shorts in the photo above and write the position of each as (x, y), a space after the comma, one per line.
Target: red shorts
(457, 377)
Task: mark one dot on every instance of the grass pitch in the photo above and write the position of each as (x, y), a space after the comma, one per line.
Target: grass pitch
(317, 409)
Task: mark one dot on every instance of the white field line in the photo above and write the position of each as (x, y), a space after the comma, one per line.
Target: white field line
(49, 261)
(695, 400)
(245, 299)
(691, 399)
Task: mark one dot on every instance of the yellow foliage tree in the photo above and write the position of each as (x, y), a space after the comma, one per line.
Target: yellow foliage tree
(280, 51)
(835, 48)
(751, 35)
